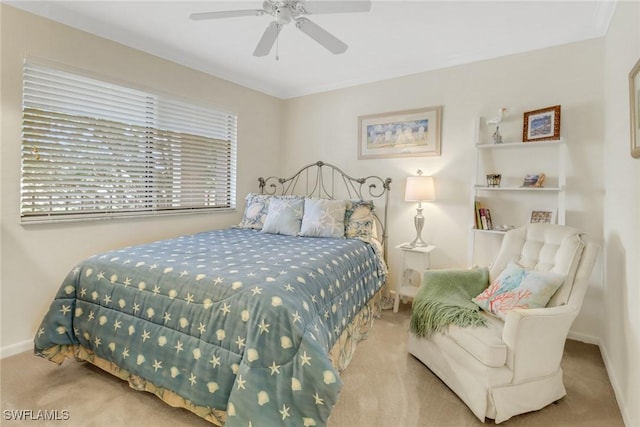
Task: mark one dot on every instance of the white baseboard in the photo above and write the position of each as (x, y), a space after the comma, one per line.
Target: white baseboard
(12, 349)
(616, 387)
(589, 339)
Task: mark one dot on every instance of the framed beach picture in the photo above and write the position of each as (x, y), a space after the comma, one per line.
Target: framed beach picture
(409, 133)
(634, 107)
(542, 125)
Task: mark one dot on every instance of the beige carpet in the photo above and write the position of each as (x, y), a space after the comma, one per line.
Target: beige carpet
(383, 387)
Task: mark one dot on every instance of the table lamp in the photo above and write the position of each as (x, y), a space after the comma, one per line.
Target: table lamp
(419, 189)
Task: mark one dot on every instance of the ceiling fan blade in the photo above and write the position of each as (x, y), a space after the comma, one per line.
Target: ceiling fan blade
(317, 7)
(267, 40)
(322, 36)
(226, 14)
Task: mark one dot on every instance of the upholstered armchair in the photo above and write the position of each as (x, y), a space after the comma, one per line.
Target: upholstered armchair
(512, 365)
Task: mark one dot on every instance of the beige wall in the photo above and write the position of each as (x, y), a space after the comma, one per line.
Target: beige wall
(35, 258)
(324, 126)
(621, 337)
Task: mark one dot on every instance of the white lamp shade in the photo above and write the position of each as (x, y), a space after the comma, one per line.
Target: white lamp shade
(419, 189)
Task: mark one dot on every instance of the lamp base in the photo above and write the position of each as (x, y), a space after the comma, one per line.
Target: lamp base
(417, 243)
(419, 223)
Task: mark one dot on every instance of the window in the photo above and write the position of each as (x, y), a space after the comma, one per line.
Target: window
(93, 149)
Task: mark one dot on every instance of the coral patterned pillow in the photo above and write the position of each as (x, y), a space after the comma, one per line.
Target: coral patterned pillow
(518, 287)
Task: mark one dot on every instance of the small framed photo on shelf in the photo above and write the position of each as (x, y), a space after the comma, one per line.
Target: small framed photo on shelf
(534, 180)
(543, 217)
(542, 125)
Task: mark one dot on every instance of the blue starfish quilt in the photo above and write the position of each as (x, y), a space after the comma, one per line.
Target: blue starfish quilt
(237, 320)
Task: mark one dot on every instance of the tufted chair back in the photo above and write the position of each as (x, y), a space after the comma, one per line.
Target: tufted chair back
(545, 247)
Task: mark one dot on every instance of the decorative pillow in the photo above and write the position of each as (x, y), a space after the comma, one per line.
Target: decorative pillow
(256, 211)
(323, 218)
(284, 216)
(359, 219)
(518, 287)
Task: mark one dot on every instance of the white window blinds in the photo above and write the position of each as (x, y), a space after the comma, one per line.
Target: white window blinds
(92, 148)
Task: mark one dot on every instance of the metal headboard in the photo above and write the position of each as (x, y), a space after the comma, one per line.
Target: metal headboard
(327, 181)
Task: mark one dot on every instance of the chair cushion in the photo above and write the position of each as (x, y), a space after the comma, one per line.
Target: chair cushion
(570, 252)
(483, 343)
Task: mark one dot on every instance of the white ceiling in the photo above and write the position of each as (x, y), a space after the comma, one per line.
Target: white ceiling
(396, 38)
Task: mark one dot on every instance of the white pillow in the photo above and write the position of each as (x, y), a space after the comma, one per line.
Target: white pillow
(284, 216)
(323, 218)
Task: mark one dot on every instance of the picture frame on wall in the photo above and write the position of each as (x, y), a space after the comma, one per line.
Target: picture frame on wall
(409, 133)
(542, 125)
(634, 108)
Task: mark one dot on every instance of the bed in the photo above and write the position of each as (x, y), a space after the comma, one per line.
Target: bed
(249, 325)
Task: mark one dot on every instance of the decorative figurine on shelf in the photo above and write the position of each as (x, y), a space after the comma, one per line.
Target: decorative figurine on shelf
(540, 181)
(534, 180)
(498, 119)
(493, 179)
(496, 138)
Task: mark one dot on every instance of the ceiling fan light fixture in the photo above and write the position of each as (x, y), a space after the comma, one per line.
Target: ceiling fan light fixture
(283, 15)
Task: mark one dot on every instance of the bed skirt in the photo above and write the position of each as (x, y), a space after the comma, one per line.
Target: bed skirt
(340, 354)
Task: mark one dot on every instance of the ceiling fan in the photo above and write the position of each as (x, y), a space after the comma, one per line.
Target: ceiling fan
(285, 11)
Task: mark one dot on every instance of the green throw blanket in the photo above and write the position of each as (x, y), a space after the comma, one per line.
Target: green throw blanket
(445, 298)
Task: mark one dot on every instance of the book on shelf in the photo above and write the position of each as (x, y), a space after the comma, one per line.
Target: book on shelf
(482, 217)
(487, 214)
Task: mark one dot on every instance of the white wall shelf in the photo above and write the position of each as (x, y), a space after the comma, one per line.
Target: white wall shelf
(510, 202)
(486, 188)
(520, 144)
(477, 230)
